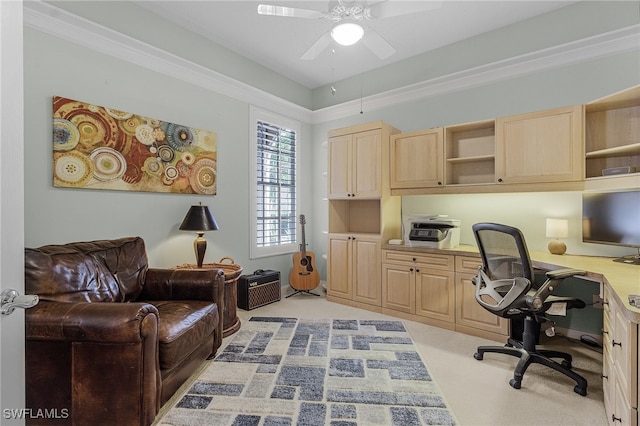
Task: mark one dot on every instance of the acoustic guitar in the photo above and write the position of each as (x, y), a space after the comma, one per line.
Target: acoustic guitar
(304, 276)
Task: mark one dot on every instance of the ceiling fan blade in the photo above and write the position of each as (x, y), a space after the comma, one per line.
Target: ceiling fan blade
(390, 8)
(269, 9)
(317, 47)
(377, 44)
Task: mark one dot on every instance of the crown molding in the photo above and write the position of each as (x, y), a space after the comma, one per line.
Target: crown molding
(56, 22)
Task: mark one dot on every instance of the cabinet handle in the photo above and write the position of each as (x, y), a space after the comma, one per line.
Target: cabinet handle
(617, 343)
(605, 377)
(616, 419)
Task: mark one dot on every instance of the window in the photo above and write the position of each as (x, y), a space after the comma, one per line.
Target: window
(273, 179)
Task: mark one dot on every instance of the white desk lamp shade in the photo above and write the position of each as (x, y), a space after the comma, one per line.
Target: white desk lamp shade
(557, 228)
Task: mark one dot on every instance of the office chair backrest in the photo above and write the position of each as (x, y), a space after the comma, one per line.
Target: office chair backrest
(504, 251)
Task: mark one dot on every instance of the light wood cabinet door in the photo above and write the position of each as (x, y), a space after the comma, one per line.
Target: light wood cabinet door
(355, 165)
(339, 148)
(417, 159)
(398, 287)
(365, 266)
(435, 294)
(338, 267)
(469, 313)
(367, 164)
(545, 146)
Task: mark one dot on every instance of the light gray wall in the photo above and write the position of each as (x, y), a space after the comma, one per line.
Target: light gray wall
(55, 67)
(58, 215)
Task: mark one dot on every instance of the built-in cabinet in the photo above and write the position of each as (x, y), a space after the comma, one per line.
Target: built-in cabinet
(544, 146)
(436, 289)
(471, 317)
(362, 212)
(354, 268)
(416, 159)
(470, 154)
(620, 363)
(420, 284)
(612, 138)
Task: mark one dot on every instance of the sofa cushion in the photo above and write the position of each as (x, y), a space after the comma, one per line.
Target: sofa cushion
(126, 258)
(62, 274)
(183, 326)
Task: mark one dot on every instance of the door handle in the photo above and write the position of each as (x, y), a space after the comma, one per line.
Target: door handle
(11, 299)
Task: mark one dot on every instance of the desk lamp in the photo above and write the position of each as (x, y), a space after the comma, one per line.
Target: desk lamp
(200, 220)
(557, 228)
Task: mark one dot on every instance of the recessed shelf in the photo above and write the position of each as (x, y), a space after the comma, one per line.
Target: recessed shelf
(471, 159)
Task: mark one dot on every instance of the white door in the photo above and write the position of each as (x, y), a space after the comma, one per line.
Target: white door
(12, 393)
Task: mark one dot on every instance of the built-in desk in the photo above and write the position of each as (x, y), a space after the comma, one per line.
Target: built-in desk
(620, 319)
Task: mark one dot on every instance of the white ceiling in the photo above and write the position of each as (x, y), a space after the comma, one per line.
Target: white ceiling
(278, 42)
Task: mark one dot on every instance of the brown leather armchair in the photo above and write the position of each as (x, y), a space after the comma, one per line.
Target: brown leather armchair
(112, 339)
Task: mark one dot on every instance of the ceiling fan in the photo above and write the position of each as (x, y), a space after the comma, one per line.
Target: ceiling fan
(346, 16)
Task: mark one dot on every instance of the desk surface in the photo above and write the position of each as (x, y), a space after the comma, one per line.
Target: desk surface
(622, 278)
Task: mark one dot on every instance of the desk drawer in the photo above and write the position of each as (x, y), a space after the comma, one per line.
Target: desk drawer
(435, 261)
(468, 264)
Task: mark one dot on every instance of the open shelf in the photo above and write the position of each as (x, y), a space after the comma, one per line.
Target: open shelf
(612, 133)
(470, 153)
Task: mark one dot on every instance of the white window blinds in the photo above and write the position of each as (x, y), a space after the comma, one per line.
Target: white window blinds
(275, 187)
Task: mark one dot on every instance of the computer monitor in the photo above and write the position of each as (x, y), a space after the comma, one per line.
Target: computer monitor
(612, 218)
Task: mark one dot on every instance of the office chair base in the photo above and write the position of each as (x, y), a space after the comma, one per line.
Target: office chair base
(528, 357)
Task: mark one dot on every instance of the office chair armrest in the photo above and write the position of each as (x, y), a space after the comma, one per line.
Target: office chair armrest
(564, 273)
(536, 301)
(503, 292)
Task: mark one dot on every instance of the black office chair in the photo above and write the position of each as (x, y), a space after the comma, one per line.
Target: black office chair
(505, 286)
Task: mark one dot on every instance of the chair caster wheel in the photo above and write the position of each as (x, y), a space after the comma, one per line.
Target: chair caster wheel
(478, 356)
(581, 391)
(515, 383)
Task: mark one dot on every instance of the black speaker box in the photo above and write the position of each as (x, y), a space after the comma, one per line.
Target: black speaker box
(258, 289)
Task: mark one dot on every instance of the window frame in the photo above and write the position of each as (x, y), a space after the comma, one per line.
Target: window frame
(255, 115)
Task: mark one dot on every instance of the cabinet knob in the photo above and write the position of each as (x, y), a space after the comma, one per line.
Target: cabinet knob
(499, 179)
(417, 270)
(440, 183)
(410, 269)
(414, 259)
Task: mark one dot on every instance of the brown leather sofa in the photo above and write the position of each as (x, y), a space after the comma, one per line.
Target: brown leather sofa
(111, 339)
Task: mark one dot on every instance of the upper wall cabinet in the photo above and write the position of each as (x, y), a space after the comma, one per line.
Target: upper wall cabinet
(416, 159)
(544, 146)
(356, 169)
(612, 136)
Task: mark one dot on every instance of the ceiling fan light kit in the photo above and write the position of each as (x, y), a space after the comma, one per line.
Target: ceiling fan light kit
(346, 16)
(347, 33)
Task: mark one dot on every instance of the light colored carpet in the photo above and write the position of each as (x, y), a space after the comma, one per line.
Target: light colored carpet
(477, 391)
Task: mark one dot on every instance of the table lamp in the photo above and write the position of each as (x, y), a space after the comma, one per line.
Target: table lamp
(557, 228)
(200, 220)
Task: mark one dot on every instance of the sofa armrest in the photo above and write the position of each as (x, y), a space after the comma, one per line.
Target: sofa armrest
(187, 284)
(184, 284)
(108, 322)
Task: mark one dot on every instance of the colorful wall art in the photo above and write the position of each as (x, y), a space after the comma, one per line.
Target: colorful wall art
(101, 148)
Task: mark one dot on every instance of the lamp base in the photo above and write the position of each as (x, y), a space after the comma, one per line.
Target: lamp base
(200, 247)
(557, 247)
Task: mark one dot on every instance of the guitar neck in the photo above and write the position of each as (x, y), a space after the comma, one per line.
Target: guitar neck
(303, 246)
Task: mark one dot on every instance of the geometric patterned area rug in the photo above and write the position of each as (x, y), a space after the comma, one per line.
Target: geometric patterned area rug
(287, 371)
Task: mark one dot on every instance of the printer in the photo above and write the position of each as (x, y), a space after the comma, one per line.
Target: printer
(434, 231)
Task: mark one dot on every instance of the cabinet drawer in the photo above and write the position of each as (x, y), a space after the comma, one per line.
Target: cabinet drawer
(467, 264)
(436, 261)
